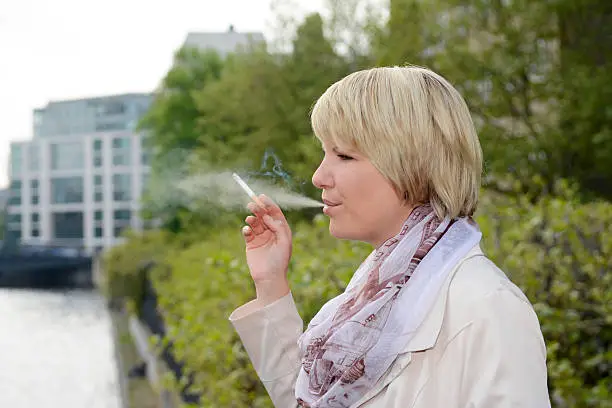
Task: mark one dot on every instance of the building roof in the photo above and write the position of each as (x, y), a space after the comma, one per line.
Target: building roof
(222, 42)
(99, 98)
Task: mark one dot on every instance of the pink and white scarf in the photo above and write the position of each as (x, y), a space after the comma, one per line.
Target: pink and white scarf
(356, 336)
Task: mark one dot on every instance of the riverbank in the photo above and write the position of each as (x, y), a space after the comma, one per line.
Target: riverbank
(137, 390)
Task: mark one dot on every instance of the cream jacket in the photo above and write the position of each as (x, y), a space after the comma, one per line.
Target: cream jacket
(480, 347)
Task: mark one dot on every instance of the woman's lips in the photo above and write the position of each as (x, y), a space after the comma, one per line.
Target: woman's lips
(329, 207)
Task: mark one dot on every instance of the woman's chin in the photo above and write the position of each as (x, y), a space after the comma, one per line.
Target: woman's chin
(337, 230)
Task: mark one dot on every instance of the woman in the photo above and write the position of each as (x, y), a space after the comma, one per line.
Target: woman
(427, 320)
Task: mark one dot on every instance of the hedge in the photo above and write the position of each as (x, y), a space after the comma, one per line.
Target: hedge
(557, 250)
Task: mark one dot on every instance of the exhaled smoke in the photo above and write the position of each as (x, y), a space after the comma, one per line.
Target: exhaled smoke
(220, 189)
(176, 183)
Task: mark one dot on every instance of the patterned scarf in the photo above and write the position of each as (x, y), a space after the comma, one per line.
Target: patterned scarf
(356, 336)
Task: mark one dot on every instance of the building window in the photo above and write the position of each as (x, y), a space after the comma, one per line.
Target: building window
(121, 220)
(111, 108)
(98, 189)
(98, 232)
(34, 194)
(35, 224)
(68, 225)
(66, 190)
(14, 221)
(122, 215)
(33, 158)
(122, 187)
(122, 151)
(13, 226)
(15, 193)
(98, 223)
(97, 153)
(16, 160)
(67, 156)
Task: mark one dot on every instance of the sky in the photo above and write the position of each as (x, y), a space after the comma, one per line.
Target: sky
(65, 49)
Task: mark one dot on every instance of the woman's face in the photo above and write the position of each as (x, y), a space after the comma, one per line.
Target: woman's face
(361, 204)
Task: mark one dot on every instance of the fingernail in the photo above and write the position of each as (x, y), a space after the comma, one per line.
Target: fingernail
(267, 218)
(246, 230)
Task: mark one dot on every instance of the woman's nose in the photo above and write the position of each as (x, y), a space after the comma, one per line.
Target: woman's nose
(321, 178)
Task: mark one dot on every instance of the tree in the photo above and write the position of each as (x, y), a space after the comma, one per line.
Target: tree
(260, 107)
(539, 101)
(170, 121)
(585, 32)
(406, 37)
(172, 134)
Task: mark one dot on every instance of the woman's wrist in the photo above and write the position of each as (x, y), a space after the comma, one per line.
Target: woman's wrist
(270, 291)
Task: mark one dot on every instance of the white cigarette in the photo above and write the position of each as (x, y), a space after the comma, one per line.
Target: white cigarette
(247, 189)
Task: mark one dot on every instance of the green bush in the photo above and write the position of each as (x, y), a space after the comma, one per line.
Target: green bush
(556, 250)
(124, 266)
(560, 252)
(209, 279)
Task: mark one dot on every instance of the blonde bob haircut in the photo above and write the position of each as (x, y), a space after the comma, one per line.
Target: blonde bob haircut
(414, 127)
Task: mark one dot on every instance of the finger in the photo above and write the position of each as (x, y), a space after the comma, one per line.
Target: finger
(256, 224)
(247, 234)
(276, 213)
(278, 226)
(256, 209)
(271, 207)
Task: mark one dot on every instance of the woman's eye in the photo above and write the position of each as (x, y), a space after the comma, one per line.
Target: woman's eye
(344, 157)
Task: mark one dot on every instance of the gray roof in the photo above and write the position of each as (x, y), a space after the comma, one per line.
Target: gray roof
(223, 42)
(99, 98)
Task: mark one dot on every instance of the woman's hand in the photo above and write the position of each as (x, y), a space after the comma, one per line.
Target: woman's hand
(268, 249)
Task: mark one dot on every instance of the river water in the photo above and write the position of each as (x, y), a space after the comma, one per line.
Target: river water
(56, 350)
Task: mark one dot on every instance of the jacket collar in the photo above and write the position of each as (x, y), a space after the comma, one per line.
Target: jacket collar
(427, 334)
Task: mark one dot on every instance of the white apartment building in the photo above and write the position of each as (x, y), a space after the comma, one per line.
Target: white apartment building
(79, 181)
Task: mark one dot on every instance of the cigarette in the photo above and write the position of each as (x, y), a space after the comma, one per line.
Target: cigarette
(247, 189)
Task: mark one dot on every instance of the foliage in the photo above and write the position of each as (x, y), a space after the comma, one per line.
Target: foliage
(262, 101)
(557, 250)
(200, 286)
(535, 76)
(169, 121)
(124, 266)
(238, 113)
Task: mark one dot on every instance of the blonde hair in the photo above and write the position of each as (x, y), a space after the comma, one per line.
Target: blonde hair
(414, 127)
